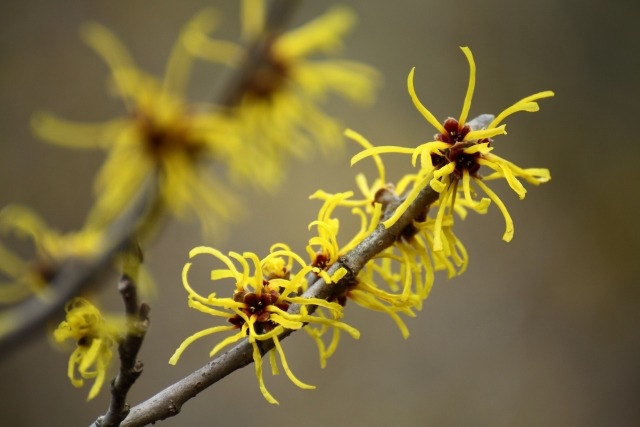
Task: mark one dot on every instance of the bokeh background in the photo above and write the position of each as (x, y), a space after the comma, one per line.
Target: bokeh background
(540, 331)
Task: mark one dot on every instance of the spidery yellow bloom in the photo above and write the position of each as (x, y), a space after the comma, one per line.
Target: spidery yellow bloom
(456, 154)
(414, 240)
(278, 109)
(160, 134)
(263, 291)
(399, 274)
(52, 248)
(94, 337)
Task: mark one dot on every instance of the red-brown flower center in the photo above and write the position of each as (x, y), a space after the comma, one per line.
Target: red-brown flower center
(255, 305)
(268, 78)
(455, 136)
(162, 140)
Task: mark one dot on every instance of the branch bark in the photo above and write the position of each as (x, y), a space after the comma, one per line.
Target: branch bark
(130, 367)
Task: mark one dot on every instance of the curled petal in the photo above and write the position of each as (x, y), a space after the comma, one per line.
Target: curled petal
(508, 233)
(421, 108)
(466, 106)
(525, 104)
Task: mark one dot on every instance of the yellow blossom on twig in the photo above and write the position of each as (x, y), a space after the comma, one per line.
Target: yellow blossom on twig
(94, 337)
(399, 274)
(398, 278)
(416, 238)
(456, 154)
(263, 291)
(161, 134)
(277, 110)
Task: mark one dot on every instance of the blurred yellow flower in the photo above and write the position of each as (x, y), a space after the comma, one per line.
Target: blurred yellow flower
(51, 249)
(277, 111)
(160, 135)
(403, 286)
(456, 154)
(94, 337)
(264, 289)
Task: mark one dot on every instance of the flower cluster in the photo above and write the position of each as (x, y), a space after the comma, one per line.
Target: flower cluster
(399, 278)
(456, 154)
(94, 336)
(51, 250)
(272, 111)
(164, 138)
(263, 291)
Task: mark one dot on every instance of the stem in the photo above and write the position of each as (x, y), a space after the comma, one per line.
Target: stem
(130, 367)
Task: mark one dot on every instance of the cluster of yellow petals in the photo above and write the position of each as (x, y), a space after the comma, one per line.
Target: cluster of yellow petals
(280, 111)
(94, 336)
(163, 135)
(476, 143)
(398, 279)
(160, 135)
(263, 289)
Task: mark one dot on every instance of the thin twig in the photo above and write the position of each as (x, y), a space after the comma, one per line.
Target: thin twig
(168, 402)
(130, 366)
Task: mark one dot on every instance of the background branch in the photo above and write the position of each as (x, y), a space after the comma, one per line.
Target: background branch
(20, 322)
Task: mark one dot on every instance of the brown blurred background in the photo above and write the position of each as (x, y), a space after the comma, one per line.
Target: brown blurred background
(541, 331)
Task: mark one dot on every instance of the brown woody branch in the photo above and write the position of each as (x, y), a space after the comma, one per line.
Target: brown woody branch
(130, 367)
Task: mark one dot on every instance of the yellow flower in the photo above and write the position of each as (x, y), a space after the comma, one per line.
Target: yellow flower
(278, 111)
(401, 275)
(264, 289)
(52, 248)
(324, 249)
(94, 337)
(456, 154)
(381, 194)
(420, 233)
(160, 134)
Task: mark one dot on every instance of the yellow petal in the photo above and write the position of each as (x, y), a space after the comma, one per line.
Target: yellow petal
(508, 233)
(381, 149)
(349, 133)
(466, 106)
(323, 33)
(283, 359)
(257, 361)
(421, 108)
(525, 104)
(485, 133)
